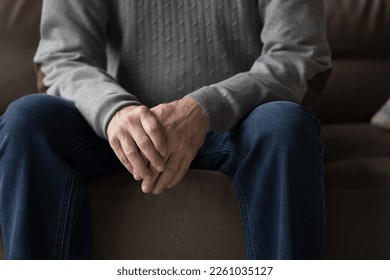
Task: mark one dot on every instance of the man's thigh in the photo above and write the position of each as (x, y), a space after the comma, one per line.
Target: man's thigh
(274, 125)
(41, 121)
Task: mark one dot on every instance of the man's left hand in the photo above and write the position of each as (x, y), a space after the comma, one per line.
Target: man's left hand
(185, 126)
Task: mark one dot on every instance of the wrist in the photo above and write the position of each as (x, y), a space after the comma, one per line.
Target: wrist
(198, 110)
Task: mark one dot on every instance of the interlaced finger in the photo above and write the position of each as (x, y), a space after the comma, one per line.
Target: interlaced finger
(132, 154)
(116, 146)
(184, 165)
(147, 147)
(168, 174)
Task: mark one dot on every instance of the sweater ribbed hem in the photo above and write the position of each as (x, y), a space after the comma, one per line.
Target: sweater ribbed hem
(218, 110)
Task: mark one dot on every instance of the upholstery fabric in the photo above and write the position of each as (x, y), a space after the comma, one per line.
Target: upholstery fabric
(19, 36)
(202, 212)
(358, 28)
(358, 33)
(357, 88)
(358, 205)
(354, 141)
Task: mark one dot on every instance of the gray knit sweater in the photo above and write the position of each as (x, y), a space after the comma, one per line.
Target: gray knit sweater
(228, 55)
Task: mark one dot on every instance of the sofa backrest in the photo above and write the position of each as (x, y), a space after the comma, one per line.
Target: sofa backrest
(359, 35)
(19, 36)
(358, 32)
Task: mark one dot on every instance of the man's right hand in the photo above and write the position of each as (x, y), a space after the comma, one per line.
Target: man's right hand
(134, 133)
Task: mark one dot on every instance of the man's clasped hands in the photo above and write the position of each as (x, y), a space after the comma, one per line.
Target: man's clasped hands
(157, 145)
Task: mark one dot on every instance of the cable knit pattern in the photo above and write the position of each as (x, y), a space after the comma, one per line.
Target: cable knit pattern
(181, 46)
(229, 55)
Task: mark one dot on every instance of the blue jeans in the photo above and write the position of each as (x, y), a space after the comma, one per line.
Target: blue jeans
(48, 153)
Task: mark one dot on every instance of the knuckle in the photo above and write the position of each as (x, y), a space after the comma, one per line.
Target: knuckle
(148, 118)
(123, 159)
(143, 110)
(152, 127)
(114, 145)
(111, 138)
(144, 142)
(131, 153)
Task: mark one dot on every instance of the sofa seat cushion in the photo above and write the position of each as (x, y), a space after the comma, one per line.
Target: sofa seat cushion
(354, 141)
(357, 184)
(198, 219)
(366, 173)
(358, 206)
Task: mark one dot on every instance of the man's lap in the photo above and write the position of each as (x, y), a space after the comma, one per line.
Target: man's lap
(84, 150)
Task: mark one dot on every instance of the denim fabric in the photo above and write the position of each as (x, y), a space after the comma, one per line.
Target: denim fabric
(275, 159)
(48, 153)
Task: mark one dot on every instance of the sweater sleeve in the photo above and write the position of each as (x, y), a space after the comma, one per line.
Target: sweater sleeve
(294, 64)
(72, 56)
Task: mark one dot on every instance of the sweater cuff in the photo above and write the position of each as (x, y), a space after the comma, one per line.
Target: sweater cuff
(217, 108)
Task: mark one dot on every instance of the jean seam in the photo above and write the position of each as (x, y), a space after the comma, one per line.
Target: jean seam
(239, 193)
(69, 151)
(224, 149)
(64, 214)
(245, 218)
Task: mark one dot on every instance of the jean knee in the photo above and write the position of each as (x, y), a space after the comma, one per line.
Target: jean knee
(29, 116)
(284, 120)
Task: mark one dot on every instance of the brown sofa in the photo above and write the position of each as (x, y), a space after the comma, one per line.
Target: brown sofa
(200, 218)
